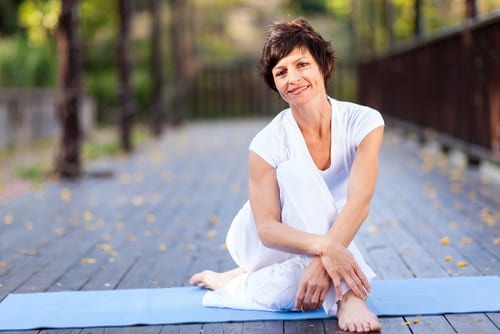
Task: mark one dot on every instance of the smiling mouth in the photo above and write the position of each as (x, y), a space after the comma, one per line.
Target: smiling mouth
(298, 90)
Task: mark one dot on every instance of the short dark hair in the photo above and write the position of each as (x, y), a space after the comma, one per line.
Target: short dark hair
(284, 37)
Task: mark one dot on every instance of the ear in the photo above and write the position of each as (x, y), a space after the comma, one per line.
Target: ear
(330, 66)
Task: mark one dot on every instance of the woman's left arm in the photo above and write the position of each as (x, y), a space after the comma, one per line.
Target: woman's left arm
(360, 189)
(361, 186)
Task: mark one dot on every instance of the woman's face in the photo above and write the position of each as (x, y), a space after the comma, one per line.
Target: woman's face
(298, 78)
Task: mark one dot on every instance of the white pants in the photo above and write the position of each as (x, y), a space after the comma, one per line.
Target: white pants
(273, 276)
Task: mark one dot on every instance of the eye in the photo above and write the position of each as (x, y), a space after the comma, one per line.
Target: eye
(279, 73)
(303, 64)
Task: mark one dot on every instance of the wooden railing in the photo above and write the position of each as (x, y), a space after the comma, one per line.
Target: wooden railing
(30, 115)
(450, 84)
(231, 91)
(237, 91)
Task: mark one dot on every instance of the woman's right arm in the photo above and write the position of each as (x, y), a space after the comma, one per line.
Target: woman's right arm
(266, 209)
(265, 202)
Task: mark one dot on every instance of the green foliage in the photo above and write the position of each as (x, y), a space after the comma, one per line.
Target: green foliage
(39, 18)
(102, 85)
(93, 150)
(34, 173)
(26, 65)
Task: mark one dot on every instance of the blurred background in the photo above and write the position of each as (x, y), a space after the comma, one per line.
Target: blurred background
(84, 79)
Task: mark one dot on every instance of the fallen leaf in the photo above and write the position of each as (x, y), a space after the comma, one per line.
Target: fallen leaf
(88, 260)
(416, 321)
(3, 264)
(59, 231)
(462, 264)
(496, 241)
(467, 240)
(131, 238)
(124, 178)
(211, 234)
(137, 201)
(163, 247)
(65, 195)
(8, 218)
(29, 226)
(213, 220)
(406, 323)
(373, 229)
(28, 252)
(105, 247)
(87, 216)
(223, 246)
(150, 218)
(445, 241)
(448, 258)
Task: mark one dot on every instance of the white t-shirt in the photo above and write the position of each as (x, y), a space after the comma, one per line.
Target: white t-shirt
(282, 140)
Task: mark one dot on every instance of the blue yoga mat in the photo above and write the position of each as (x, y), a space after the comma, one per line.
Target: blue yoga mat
(78, 309)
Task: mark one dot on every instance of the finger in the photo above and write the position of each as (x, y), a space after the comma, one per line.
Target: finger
(364, 280)
(322, 297)
(356, 289)
(299, 299)
(360, 288)
(308, 299)
(315, 301)
(338, 288)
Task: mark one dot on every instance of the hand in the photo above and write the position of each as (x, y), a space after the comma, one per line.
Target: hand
(341, 266)
(313, 286)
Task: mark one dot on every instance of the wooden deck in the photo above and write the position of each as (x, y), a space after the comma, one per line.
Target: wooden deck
(164, 214)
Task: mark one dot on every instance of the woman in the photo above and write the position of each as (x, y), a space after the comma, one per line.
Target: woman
(312, 174)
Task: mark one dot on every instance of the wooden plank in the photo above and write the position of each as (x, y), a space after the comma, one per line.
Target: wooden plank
(304, 327)
(258, 327)
(226, 328)
(394, 325)
(477, 323)
(495, 318)
(60, 331)
(432, 324)
(182, 329)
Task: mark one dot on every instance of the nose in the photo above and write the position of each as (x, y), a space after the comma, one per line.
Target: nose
(293, 75)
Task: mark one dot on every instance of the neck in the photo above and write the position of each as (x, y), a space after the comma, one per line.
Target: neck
(315, 117)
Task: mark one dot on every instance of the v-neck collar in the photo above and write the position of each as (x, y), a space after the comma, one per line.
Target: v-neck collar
(300, 137)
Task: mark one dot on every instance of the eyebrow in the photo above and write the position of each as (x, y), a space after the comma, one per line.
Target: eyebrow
(295, 61)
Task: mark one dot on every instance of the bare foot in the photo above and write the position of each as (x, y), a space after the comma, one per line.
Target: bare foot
(213, 280)
(354, 316)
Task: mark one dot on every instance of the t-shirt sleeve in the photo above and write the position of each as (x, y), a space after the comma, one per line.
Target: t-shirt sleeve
(365, 120)
(266, 145)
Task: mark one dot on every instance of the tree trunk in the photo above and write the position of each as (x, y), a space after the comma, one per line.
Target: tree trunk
(470, 9)
(69, 90)
(184, 63)
(353, 36)
(157, 104)
(125, 101)
(389, 32)
(418, 24)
